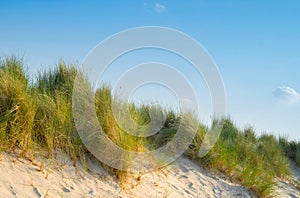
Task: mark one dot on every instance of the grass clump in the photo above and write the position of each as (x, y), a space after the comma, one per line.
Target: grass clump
(54, 125)
(17, 107)
(36, 115)
(253, 161)
(291, 149)
(112, 125)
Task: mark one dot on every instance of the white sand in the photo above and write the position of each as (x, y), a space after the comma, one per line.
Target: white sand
(285, 189)
(59, 178)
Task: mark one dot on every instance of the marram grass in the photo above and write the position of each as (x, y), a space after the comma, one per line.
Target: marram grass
(36, 114)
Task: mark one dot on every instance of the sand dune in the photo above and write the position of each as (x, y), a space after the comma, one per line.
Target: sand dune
(60, 178)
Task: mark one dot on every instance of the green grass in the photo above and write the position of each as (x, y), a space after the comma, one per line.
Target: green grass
(291, 149)
(36, 114)
(17, 107)
(253, 161)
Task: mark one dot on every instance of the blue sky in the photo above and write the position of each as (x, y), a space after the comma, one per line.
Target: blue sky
(256, 45)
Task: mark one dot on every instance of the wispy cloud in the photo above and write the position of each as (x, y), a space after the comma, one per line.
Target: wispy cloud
(159, 8)
(286, 94)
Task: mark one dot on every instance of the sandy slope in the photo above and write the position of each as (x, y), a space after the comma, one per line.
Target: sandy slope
(285, 189)
(59, 178)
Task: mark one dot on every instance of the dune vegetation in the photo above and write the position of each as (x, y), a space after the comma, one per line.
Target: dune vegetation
(36, 117)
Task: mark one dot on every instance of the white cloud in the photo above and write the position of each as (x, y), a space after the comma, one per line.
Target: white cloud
(159, 8)
(286, 94)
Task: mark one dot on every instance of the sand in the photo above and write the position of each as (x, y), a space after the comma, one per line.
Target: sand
(285, 188)
(59, 177)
